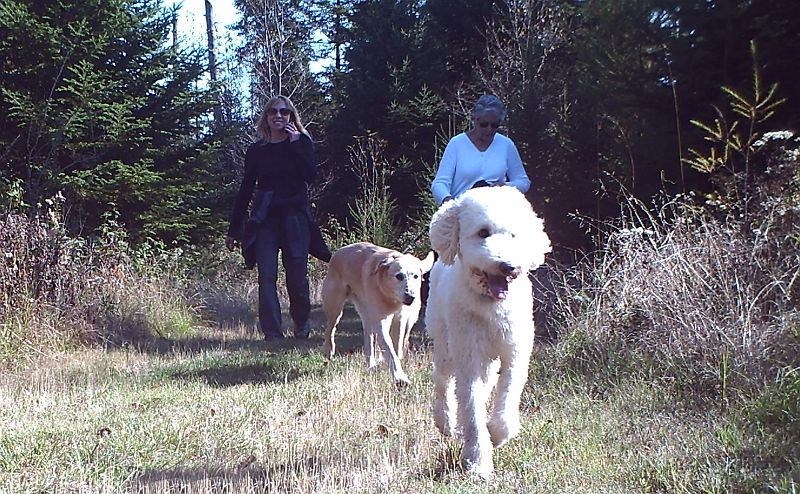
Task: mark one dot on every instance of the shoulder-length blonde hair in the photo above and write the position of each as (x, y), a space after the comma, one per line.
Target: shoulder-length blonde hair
(262, 126)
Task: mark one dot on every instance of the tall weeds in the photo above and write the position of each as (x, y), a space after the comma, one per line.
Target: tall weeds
(42, 278)
(59, 291)
(697, 294)
(374, 212)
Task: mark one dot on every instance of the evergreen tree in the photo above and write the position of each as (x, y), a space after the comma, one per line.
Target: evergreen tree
(375, 92)
(455, 37)
(97, 103)
(382, 41)
(709, 48)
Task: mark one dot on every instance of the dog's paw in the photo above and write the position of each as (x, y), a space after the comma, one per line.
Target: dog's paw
(502, 428)
(401, 379)
(328, 348)
(476, 462)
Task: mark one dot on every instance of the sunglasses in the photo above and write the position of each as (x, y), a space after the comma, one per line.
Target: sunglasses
(285, 112)
(486, 124)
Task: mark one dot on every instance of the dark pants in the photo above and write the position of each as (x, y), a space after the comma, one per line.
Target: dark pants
(289, 234)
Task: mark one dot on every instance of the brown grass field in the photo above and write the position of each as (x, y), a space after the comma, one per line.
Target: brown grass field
(221, 411)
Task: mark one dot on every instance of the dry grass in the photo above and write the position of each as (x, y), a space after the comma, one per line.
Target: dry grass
(225, 412)
(222, 412)
(689, 297)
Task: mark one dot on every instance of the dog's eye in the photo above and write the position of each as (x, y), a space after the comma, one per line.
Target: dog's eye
(400, 276)
(484, 233)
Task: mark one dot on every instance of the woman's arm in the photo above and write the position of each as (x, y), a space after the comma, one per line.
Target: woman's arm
(442, 184)
(516, 171)
(243, 197)
(303, 150)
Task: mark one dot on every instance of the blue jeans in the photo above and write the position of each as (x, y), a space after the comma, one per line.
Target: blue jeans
(288, 233)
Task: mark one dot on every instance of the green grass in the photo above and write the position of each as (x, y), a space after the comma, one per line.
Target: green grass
(221, 411)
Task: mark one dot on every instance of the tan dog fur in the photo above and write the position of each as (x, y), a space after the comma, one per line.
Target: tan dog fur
(384, 286)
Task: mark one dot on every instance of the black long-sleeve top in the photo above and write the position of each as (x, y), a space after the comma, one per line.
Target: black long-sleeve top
(285, 168)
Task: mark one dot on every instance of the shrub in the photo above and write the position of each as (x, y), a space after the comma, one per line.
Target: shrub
(60, 291)
(699, 294)
(43, 274)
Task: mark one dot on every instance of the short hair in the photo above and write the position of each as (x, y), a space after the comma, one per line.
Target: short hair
(489, 103)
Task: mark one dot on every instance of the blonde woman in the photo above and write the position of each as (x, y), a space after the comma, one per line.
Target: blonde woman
(277, 171)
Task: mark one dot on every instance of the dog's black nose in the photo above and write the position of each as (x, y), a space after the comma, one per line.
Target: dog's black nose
(508, 270)
(408, 300)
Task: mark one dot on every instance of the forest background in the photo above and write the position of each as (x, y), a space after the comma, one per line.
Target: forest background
(105, 104)
(660, 138)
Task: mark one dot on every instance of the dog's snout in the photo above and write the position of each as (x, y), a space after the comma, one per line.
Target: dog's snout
(509, 269)
(408, 299)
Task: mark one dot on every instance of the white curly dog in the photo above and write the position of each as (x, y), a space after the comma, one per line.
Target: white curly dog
(480, 316)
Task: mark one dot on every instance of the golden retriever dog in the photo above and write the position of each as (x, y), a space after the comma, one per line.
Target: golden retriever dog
(480, 316)
(384, 286)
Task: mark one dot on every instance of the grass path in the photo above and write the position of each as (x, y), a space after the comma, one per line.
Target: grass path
(224, 412)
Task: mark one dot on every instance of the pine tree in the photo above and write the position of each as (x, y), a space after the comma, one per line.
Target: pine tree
(97, 103)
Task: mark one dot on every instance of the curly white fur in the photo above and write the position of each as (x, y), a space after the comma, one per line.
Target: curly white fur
(480, 316)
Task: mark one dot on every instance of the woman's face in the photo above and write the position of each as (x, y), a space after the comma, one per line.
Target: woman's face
(278, 115)
(486, 125)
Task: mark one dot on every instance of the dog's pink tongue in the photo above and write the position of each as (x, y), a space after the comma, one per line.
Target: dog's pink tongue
(498, 286)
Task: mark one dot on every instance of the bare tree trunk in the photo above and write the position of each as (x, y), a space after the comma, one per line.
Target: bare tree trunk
(175, 30)
(212, 58)
(338, 37)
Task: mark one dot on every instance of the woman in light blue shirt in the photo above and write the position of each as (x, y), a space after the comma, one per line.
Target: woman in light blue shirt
(480, 156)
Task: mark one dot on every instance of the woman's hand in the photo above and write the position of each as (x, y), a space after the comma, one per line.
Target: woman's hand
(230, 243)
(294, 134)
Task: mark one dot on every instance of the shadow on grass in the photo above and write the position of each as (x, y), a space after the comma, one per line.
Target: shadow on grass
(348, 337)
(230, 313)
(166, 346)
(234, 375)
(226, 362)
(248, 477)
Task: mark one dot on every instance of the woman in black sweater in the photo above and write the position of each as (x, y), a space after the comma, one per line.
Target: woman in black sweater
(278, 167)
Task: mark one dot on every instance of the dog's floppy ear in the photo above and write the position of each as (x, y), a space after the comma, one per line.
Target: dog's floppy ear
(444, 231)
(539, 241)
(427, 263)
(384, 264)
